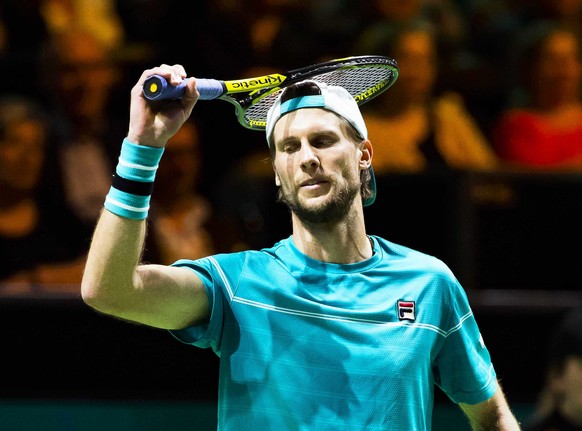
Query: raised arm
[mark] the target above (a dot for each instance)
(114, 282)
(493, 414)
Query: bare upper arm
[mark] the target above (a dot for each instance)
(164, 297)
(492, 414)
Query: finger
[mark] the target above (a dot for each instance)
(191, 95)
(173, 74)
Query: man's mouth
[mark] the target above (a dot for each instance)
(312, 183)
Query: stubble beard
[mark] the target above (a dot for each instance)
(332, 210)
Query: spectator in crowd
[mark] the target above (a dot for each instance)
(488, 53)
(40, 242)
(542, 126)
(560, 402)
(219, 28)
(98, 18)
(79, 79)
(443, 16)
(310, 32)
(420, 126)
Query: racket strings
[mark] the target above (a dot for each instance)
(364, 82)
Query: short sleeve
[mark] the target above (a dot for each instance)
(209, 333)
(463, 367)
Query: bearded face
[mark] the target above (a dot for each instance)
(317, 166)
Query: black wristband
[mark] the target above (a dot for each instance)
(139, 188)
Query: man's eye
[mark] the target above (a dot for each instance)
(290, 147)
(322, 142)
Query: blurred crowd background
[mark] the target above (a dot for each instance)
(478, 145)
(485, 86)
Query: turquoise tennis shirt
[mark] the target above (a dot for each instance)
(309, 345)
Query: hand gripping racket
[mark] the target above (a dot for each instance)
(365, 77)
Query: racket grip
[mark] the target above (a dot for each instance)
(210, 88)
(157, 87)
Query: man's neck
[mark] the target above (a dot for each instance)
(341, 242)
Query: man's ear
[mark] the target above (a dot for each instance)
(277, 180)
(367, 154)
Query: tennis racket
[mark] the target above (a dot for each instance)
(365, 77)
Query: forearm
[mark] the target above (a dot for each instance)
(491, 415)
(113, 257)
(497, 421)
(119, 236)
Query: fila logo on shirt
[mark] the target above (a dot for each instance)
(407, 310)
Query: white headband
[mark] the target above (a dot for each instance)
(333, 98)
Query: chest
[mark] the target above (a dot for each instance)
(337, 327)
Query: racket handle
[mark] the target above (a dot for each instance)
(157, 87)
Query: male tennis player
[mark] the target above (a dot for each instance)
(329, 329)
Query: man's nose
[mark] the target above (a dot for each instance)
(309, 157)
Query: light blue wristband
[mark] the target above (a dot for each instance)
(127, 205)
(138, 162)
(136, 168)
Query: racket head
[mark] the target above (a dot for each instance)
(364, 77)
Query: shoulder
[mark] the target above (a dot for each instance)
(420, 272)
(235, 263)
(406, 257)
(440, 299)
